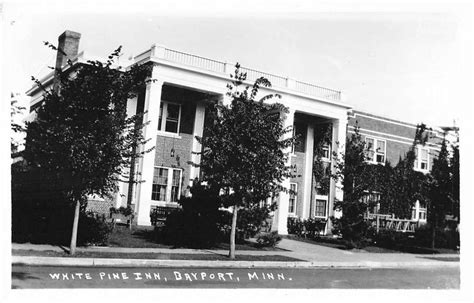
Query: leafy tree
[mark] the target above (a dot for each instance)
(243, 155)
(402, 185)
(357, 179)
(15, 110)
(440, 191)
(82, 138)
(454, 165)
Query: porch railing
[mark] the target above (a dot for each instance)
(193, 60)
(253, 75)
(226, 68)
(387, 222)
(316, 90)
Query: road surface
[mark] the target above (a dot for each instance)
(116, 277)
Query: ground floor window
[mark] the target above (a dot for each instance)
(166, 184)
(422, 214)
(293, 198)
(418, 212)
(320, 206)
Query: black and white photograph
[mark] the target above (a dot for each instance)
(274, 150)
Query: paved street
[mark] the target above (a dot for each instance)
(139, 277)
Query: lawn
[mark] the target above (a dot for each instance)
(339, 244)
(152, 256)
(143, 237)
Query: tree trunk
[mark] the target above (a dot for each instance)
(232, 233)
(131, 180)
(433, 234)
(131, 184)
(75, 224)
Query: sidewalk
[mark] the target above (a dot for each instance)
(311, 255)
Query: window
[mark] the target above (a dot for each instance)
(166, 184)
(175, 185)
(170, 116)
(160, 184)
(418, 212)
(421, 158)
(326, 152)
(293, 196)
(320, 206)
(299, 131)
(372, 199)
(376, 149)
(422, 214)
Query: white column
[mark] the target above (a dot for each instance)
(339, 128)
(281, 214)
(152, 108)
(196, 147)
(308, 171)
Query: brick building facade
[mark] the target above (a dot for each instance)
(389, 140)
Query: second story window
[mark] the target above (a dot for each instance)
(376, 150)
(170, 116)
(421, 158)
(372, 200)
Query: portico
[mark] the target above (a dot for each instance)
(204, 79)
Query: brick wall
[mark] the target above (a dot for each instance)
(181, 157)
(398, 135)
(388, 126)
(181, 145)
(100, 206)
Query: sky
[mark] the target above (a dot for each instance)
(410, 63)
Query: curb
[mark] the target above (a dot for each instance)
(110, 262)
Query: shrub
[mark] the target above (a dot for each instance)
(389, 239)
(93, 229)
(314, 226)
(249, 222)
(445, 237)
(41, 214)
(311, 227)
(200, 223)
(268, 239)
(295, 226)
(356, 233)
(195, 225)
